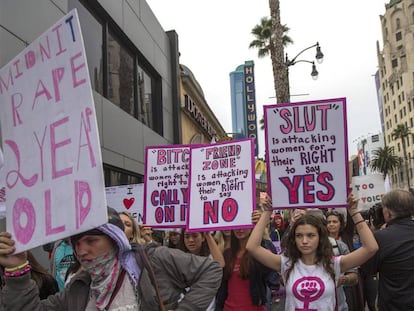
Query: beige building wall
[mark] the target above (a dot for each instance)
(396, 68)
(198, 122)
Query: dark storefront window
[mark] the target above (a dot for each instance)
(92, 32)
(117, 69)
(117, 177)
(120, 75)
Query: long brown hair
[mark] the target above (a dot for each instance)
(39, 274)
(230, 256)
(324, 252)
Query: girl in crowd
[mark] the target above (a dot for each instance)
(308, 266)
(348, 291)
(223, 239)
(202, 244)
(134, 232)
(245, 281)
(174, 239)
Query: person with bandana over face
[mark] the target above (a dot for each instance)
(115, 275)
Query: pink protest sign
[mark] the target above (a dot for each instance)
(52, 159)
(222, 186)
(306, 153)
(166, 186)
(127, 198)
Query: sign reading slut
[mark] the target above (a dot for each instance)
(52, 160)
(307, 154)
(217, 180)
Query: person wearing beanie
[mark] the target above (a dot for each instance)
(115, 275)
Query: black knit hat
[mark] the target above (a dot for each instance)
(113, 218)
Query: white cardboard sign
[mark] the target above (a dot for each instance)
(306, 154)
(127, 198)
(222, 186)
(369, 189)
(52, 158)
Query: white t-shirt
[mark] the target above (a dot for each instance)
(309, 287)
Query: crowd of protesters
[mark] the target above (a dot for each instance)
(323, 259)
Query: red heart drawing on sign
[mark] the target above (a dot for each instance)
(128, 202)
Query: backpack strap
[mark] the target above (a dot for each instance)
(143, 258)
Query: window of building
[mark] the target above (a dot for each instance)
(117, 177)
(411, 122)
(144, 91)
(92, 32)
(118, 71)
(398, 36)
(374, 138)
(395, 119)
(394, 63)
(397, 23)
(120, 75)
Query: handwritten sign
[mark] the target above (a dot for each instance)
(222, 186)
(166, 186)
(52, 159)
(369, 189)
(306, 153)
(127, 198)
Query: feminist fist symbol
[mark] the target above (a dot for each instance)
(308, 289)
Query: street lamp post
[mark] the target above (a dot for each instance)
(293, 61)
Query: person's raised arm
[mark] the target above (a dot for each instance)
(254, 247)
(369, 244)
(215, 250)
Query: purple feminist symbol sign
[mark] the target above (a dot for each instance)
(308, 289)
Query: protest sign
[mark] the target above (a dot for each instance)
(369, 189)
(222, 192)
(166, 186)
(127, 198)
(52, 158)
(306, 154)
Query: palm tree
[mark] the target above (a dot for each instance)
(384, 160)
(265, 45)
(263, 33)
(403, 132)
(280, 69)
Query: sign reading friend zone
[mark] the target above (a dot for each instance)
(52, 158)
(222, 186)
(369, 189)
(127, 198)
(307, 154)
(166, 186)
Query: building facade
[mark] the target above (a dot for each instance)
(243, 103)
(199, 125)
(134, 71)
(396, 77)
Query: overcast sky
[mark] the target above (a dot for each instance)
(214, 37)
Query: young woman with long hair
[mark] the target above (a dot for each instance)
(308, 266)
